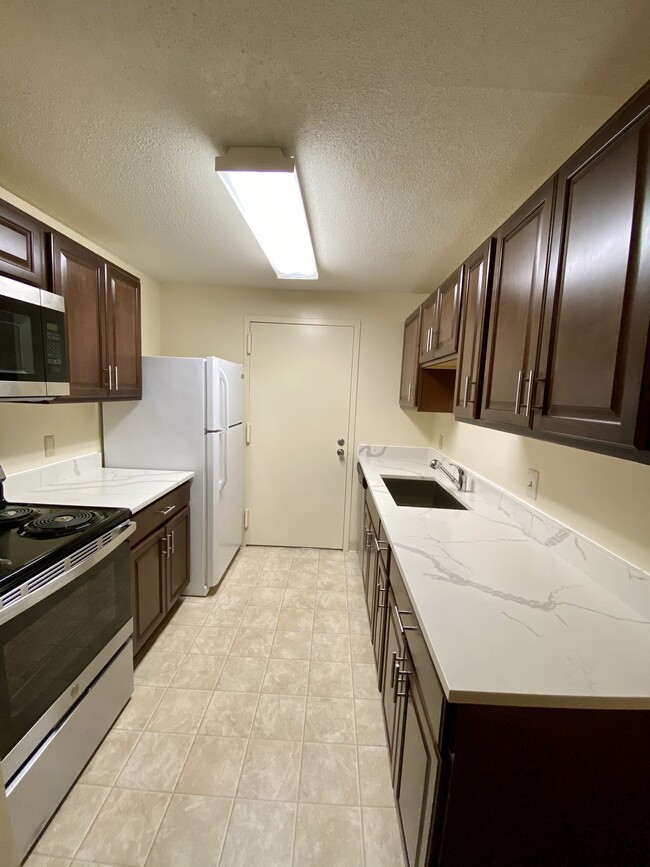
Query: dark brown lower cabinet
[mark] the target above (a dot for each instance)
(393, 651)
(379, 623)
(159, 561)
(417, 767)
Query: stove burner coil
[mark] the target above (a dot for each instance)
(60, 525)
(13, 516)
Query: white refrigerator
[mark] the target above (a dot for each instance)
(190, 418)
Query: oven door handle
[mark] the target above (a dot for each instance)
(28, 600)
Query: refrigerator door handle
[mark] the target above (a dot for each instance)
(224, 480)
(224, 382)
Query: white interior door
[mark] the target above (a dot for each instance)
(300, 386)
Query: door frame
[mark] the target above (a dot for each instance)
(350, 438)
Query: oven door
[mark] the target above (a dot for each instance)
(56, 643)
(22, 363)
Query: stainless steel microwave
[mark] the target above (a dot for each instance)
(33, 352)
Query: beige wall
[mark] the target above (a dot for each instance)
(76, 427)
(605, 498)
(206, 320)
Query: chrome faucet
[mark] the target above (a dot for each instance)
(460, 482)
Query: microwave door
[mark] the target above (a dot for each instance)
(22, 366)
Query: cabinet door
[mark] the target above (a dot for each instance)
(428, 328)
(393, 653)
(365, 541)
(598, 371)
(417, 770)
(516, 311)
(371, 586)
(22, 246)
(125, 353)
(149, 586)
(178, 542)
(447, 316)
(78, 275)
(410, 360)
(476, 285)
(379, 626)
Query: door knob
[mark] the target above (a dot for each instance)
(340, 452)
(341, 441)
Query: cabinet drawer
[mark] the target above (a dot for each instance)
(159, 512)
(381, 540)
(432, 691)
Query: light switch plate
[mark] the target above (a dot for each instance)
(48, 443)
(532, 484)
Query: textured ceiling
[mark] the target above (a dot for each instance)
(417, 126)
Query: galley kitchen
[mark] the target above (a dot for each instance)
(324, 435)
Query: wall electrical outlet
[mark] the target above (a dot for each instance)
(441, 441)
(532, 484)
(48, 442)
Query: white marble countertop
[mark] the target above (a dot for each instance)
(513, 615)
(84, 482)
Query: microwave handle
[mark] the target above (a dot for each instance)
(54, 584)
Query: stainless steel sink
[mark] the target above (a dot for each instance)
(423, 493)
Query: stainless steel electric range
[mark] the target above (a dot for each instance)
(66, 657)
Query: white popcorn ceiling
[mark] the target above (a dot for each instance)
(417, 126)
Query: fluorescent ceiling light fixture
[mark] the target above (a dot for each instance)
(264, 184)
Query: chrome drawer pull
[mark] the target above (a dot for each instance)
(166, 510)
(403, 628)
(173, 542)
(520, 378)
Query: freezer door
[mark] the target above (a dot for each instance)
(225, 394)
(225, 499)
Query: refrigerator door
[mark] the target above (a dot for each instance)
(166, 431)
(225, 394)
(225, 450)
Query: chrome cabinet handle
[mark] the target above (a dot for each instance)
(403, 628)
(368, 537)
(466, 394)
(409, 394)
(381, 590)
(110, 377)
(520, 378)
(170, 542)
(173, 542)
(395, 679)
(117, 379)
(392, 669)
(404, 676)
(529, 396)
(381, 546)
(166, 510)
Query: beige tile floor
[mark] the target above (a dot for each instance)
(254, 735)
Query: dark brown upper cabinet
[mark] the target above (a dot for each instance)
(78, 275)
(521, 263)
(597, 319)
(22, 246)
(420, 389)
(102, 322)
(440, 320)
(410, 355)
(427, 328)
(123, 325)
(476, 285)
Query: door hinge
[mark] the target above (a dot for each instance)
(249, 342)
(246, 516)
(248, 434)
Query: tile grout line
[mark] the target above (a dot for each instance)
(234, 798)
